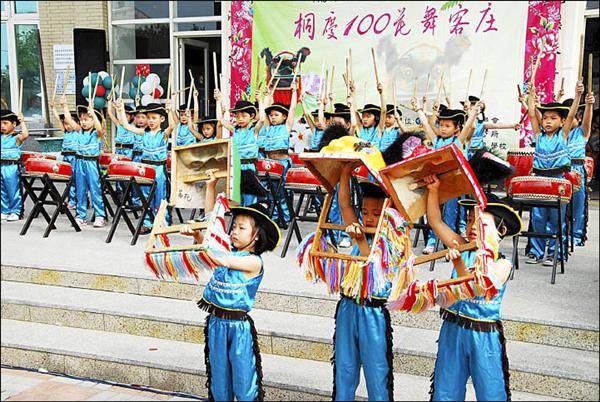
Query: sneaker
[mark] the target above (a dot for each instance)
(99, 222)
(532, 259)
(4, 217)
(81, 222)
(12, 217)
(345, 243)
(428, 250)
(145, 230)
(71, 206)
(548, 262)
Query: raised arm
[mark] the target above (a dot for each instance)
(123, 119)
(292, 112)
(171, 120)
(22, 136)
(68, 119)
(500, 126)
(381, 126)
(434, 215)
(354, 127)
(55, 114)
(193, 126)
(467, 129)
(579, 88)
(220, 116)
(531, 109)
(100, 130)
(586, 123)
(429, 133)
(110, 112)
(307, 116)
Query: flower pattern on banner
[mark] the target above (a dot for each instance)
(240, 42)
(543, 23)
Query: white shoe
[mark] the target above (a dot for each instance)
(4, 217)
(81, 222)
(99, 222)
(12, 218)
(428, 250)
(345, 243)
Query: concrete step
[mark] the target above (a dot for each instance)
(175, 366)
(277, 297)
(534, 368)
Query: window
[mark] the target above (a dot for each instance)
(129, 90)
(592, 4)
(130, 10)
(198, 8)
(141, 41)
(199, 26)
(26, 7)
(5, 75)
(28, 68)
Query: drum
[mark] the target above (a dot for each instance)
(301, 178)
(169, 162)
(361, 172)
(296, 160)
(575, 178)
(56, 170)
(270, 166)
(123, 170)
(540, 188)
(589, 167)
(522, 161)
(25, 155)
(105, 159)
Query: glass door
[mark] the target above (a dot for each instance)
(194, 60)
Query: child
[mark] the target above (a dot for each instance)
(210, 129)
(578, 138)
(316, 122)
(155, 141)
(393, 127)
(362, 332)
(87, 177)
(373, 120)
(231, 351)
(9, 162)
(69, 151)
(551, 159)
(245, 134)
(124, 139)
(140, 120)
(471, 341)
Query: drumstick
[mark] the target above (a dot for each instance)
(274, 87)
(256, 81)
(590, 62)
(215, 76)
(375, 66)
(137, 94)
(153, 88)
(95, 88)
(468, 85)
(112, 87)
(483, 84)
(437, 100)
(331, 78)
(519, 90)
(220, 80)
(415, 87)
(89, 87)
(581, 49)
(365, 94)
(189, 101)
(275, 72)
(54, 92)
(21, 97)
(537, 62)
(66, 78)
(427, 83)
(350, 64)
(321, 81)
(445, 94)
(169, 84)
(122, 80)
(394, 96)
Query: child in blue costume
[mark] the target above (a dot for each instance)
(452, 130)
(87, 177)
(363, 332)
(372, 120)
(316, 122)
(155, 152)
(279, 119)
(9, 164)
(471, 342)
(123, 139)
(578, 138)
(245, 134)
(140, 120)
(393, 127)
(551, 159)
(69, 151)
(231, 350)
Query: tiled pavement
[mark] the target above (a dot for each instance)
(20, 385)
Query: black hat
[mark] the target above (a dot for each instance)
(155, 108)
(333, 132)
(501, 210)
(339, 110)
(569, 102)
(84, 109)
(370, 108)
(458, 116)
(471, 98)
(395, 152)
(260, 215)
(390, 109)
(208, 119)
(182, 108)
(244, 106)
(442, 107)
(139, 109)
(128, 109)
(280, 107)
(371, 189)
(9, 115)
(557, 107)
(489, 168)
(315, 113)
(73, 116)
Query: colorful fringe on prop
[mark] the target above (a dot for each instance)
(359, 279)
(177, 262)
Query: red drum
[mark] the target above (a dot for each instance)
(362, 172)
(301, 178)
(589, 167)
(522, 161)
(169, 162)
(270, 166)
(25, 155)
(296, 160)
(106, 159)
(122, 170)
(540, 188)
(575, 178)
(56, 170)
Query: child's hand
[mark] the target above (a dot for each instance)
(168, 106)
(424, 100)
(21, 118)
(217, 95)
(195, 92)
(212, 179)
(187, 230)
(355, 230)
(301, 97)
(517, 127)
(352, 86)
(62, 100)
(579, 88)
(188, 114)
(349, 101)
(590, 99)
(436, 107)
(414, 104)
(560, 94)
(453, 254)
(433, 182)
(293, 86)
(380, 88)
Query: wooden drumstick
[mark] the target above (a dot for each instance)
(445, 94)
(427, 83)
(519, 91)
(21, 97)
(189, 101)
(437, 100)
(350, 75)
(375, 66)
(483, 84)
(215, 73)
(581, 50)
(589, 78)
(275, 72)
(169, 83)
(89, 87)
(468, 85)
(331, 79)
(122, 81)
(54, 92)
(66, 78)
(321, 82)
(95, 88)
(137, 94)
(415, 87)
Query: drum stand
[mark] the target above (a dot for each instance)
(274, 185)
(57, 199)
(125, 203)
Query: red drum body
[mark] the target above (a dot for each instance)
(169, 162)
(296, 160)
(270, 166)
(540, 188)
(26, 155)
(575, 178)
(522, 161)
(122, 170)
(589, 167)
(301, 178)
(362, 172)
(105, 159)
(54, 169)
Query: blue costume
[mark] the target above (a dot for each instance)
(248, 152)
(231, 352)
(363, 336)
(277, 139)
(471, 343)
(138, 147)
(87, 177)
(551, 159)
(370, 134)
(155, 153)
(261, 141)
(69, 154)
(315, 139)
(10, 175)
(476, 142)
(124, 142)
(576, 147)
(184, 135)
(389, 136)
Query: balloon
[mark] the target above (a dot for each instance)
(158, 92)
(132, 92)
(94, 78)
(100, 91)
(146, 88)
(107, 82)
(135, 79)
(86, 80)
(146, 99)
(153, 78)
(103, 75)
(99, 103)
(85, 91)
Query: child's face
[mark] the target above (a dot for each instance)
(8, 126)
(319, 125)
(552, 121)
(371, 211)
(140, 120)
(242, 119)
(368, 119)
(183, 118)
(276, 117)
(243, 232)
(471, 225)
(86, 122)
(389, 120)
(66, 126)
(129, 118)
(208, 130)
(448, 128)
(155, 120)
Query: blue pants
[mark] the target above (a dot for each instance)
(579, 207)
(87, 179)
(71, 159)
(545, 220)
(160, 193)
(11, 194)
(135, 200)
(248, 199)
(451, 214)
(287, 163)
(466, 352)
(361, 338)
(231, 353)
